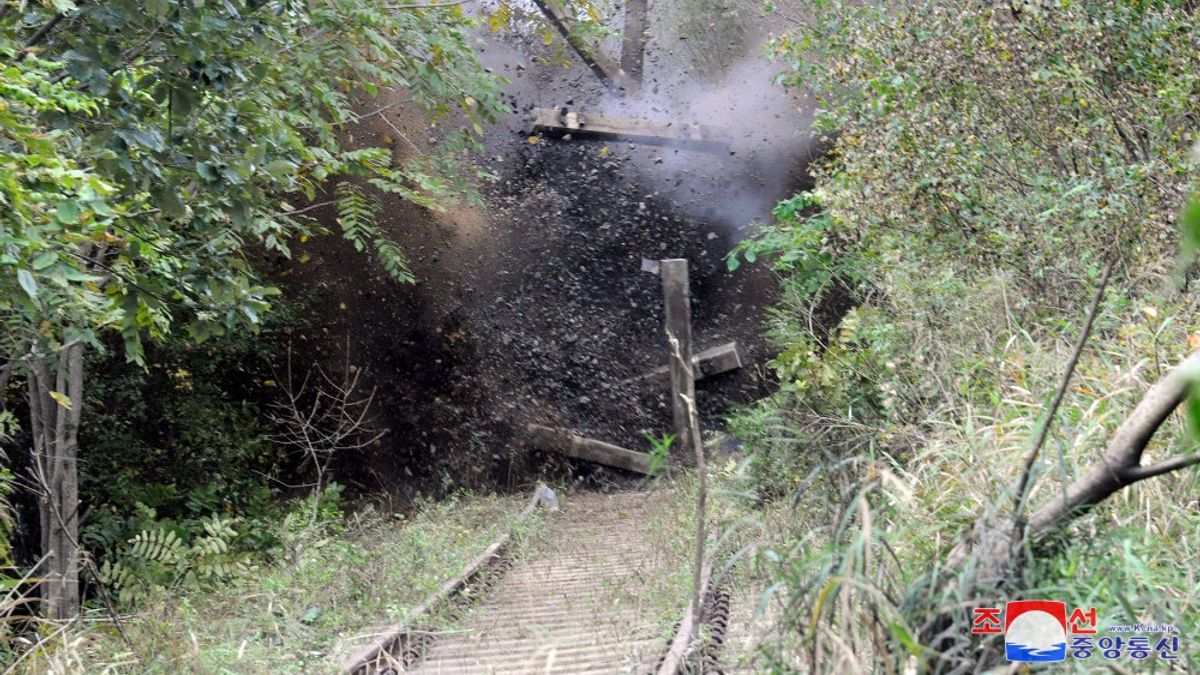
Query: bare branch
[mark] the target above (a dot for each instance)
(323, 417)
(43, 32)
(1167, 466)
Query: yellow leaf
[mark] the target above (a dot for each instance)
(1194, 341)
(303, 238)
(604, 151)
(304, 257)
(534, 140)
(1150, 312)
(61, 399)
(268, 383)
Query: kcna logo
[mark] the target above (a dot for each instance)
(1043, 630)
(1034, 630)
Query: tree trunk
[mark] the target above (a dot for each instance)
(55, 389)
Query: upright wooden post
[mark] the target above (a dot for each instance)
(678, 310)
(677, 301)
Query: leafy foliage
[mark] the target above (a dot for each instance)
(183, 436)
(165, 139)
(159, 558)
(151, 152)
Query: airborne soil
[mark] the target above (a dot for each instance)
(532, 307)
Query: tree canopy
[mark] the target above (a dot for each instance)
(152, 147)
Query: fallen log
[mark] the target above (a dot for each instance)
(589, 449)
(712, 361)
(691, 135)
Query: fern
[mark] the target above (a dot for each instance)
(159, 558)
(357, 215)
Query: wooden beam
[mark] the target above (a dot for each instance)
(597, 61)
(678, 314)
(590, 449)
(694, 136)
(710, 362)
(633, 44)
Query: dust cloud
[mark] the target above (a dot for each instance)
(766, 126)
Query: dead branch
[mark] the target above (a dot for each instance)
(1121, 464)
(988, 554)
(321, 417)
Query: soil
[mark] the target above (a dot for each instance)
(532, 307)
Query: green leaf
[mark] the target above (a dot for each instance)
(1193, 409)
(67, 212)
(280, 168)
(207, 172)
(1190, 222)
(28, 283)
(61, 399)
(44, 260)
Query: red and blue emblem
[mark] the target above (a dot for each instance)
(1035, 630)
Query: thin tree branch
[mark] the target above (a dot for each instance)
(1044, 429)
(427, 5)
(42, 32)
(310, 207)
(1167, 466)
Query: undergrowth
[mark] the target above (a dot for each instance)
(333, 586)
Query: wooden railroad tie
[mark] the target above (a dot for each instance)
(562, 121)
(589, 449)
(712, 361)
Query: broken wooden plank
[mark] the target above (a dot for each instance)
(597, 61)
(717, 360)
(710, 362)
(590, 449)
(677, 306)
(563, 121)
